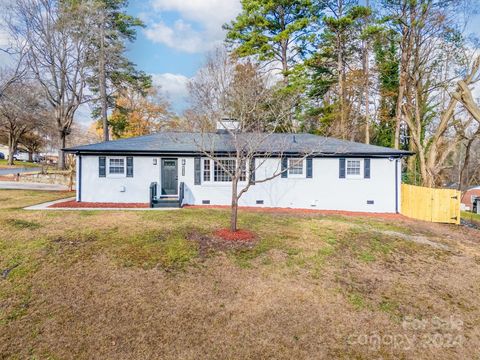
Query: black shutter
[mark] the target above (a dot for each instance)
(284, 167)
(366, 168)
(341, 174)
(129, 166)
(252, 171)
(102, 166)
(198, 171)
(309, 168)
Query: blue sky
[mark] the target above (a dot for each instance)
(177, 35)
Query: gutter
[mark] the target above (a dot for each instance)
(232, 153)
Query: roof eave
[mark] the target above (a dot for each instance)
(227, 153)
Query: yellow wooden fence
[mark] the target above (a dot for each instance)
(435, 205)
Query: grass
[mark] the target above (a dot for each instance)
(13, 199)
(470, 216)
(18, 164)
(145, 284)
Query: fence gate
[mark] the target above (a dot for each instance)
(435, 205)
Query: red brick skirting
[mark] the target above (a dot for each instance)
(302, 211)
(76, 204)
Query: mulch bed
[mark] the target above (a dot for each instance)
(208, 243)
(304, 211)
(239, 235)
(80, 205)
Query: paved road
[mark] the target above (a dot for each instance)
(31, 186)
(18, 170)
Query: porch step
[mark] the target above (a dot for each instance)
(166, 203)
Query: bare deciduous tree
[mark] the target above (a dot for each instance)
(56, 37)
(21, 111)
(434, 149)
(15, 72)
(254, 110)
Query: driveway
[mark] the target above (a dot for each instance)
(31, 186)
(17, 170)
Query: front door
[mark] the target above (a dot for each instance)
(169, 177)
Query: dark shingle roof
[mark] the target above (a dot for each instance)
(194, 143)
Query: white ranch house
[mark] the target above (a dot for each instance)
(172, 169)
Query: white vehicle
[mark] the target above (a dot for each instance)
(21, 156)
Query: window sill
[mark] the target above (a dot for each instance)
(220, 183)
(296, 177)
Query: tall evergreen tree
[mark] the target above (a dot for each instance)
(112, 71)
(338, 48)
(275, 30)
(387, 65)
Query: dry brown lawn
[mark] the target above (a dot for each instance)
(144, 284)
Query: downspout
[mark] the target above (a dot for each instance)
(79, 181)
(396, 186)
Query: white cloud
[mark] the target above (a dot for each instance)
(173, 86)
(181, 36)
(211, 13)
(199, 24)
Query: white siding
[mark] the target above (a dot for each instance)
(109, 188)
(324, 191)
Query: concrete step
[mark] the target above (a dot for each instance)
(166, 203)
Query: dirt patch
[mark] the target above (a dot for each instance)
(208, 244)
(419, 239)
(103, 205)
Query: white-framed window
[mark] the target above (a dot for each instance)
(354, 168)
(296, 167)
(206, 170)
(221, 170)
(116, 166)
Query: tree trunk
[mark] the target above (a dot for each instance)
(61, 154)
(341, 93)
(341, 75)
(412, 162)
(234, 210)
(398, 111)
(426, 178)
(12, 149)
(30, 156)
(285, 61)
(366, 71)
(102, 80)
(466, 163)
(406, 49)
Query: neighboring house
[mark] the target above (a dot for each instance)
(470, 198)
(48, 157)
(337, 175)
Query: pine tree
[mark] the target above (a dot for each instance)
(112, 71)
